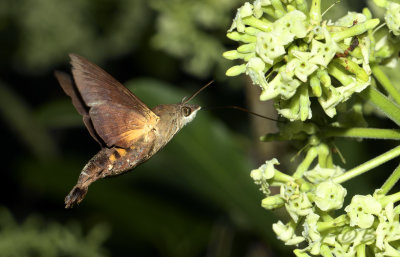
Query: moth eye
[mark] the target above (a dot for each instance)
(186, 111)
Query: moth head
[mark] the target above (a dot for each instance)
(188, 112)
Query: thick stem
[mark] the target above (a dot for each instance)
(282, 177)
(355, 30)
(279, 137)
(325, 251)
(305, 164)
(332, 224)
(391, 110)
(386, 83)
(315, 12)
(390, 199)
(372, 133)
(368, 165)
(361, 250)
(391, 181)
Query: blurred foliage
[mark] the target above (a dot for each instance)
(35, 238)
(43, 32)
(18, 116)
(192, 30)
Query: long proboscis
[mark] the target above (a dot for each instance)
(244, 110)
(184, 100)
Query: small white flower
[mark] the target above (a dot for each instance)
(255, 68)
(318, 174)
(311, 229)
(301, 65)
(298, 206)
(269, 46)
(329, 196)
(388, 229)
(244, 11)
(362, 210)
(263, 174)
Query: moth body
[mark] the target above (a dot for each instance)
(115, 161)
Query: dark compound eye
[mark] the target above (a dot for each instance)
(186, 111)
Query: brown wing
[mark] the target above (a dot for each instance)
(69, 88)
(118, 116)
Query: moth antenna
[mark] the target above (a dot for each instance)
(184, 100)
(330, 7)
(243, 110)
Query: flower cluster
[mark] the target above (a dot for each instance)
(312, 196)
(292, 54)
(392, 15)
(295, 56)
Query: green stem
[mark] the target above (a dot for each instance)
(305, 164)
(281, 177)
(279, 9)
(390, 199)
(279, 137)
(355, 30)
(315, 12)
(338, 222)
(361, 250)
(391, 110)
(373, 133)
(391, 181)
(323, 156)
(386, 83)
(366, 166)
(325, 251)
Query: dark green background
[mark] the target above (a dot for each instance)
(194, 198)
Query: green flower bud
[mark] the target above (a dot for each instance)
(236, 70)
(272, 202)
(329, 196)
(362, 210)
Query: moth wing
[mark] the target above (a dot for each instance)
(118, 116)
(119, 125)
(69, 88)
